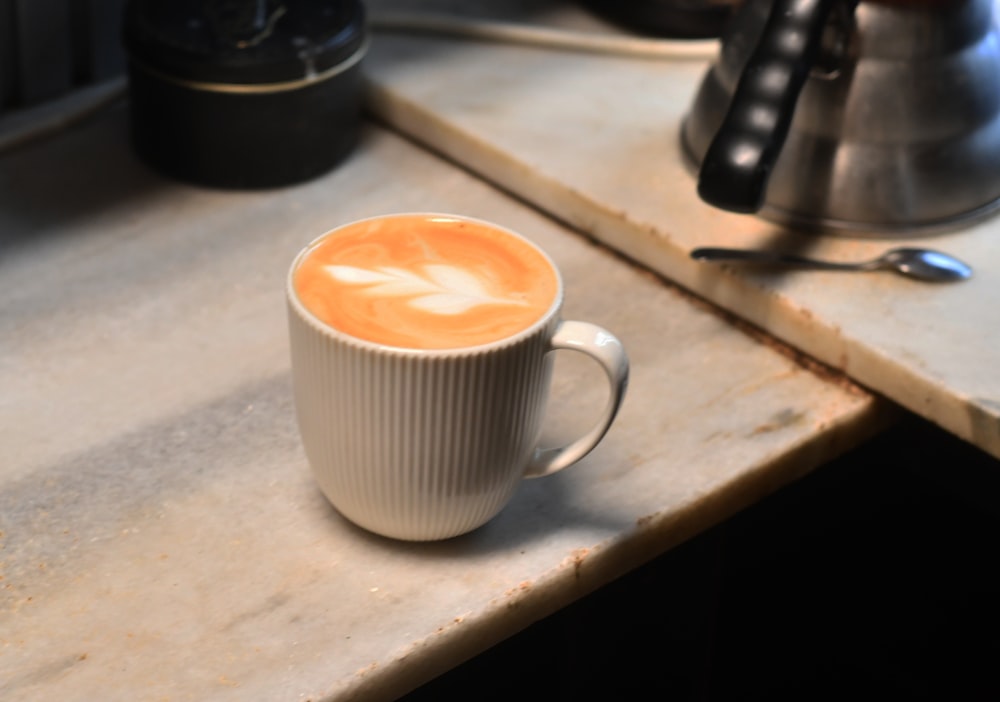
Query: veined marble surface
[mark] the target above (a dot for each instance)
(593, 139)
(161, 537)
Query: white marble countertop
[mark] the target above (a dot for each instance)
(593, 140)
(160, 534)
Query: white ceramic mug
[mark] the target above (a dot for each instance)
(421, 365)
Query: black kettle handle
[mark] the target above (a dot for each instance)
(735, 170)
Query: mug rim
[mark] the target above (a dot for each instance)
(329, 330)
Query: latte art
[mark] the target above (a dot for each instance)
(426, 282)
(438, 288)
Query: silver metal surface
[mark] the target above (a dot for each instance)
(898, 133)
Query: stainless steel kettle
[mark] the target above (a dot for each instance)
(874, 118)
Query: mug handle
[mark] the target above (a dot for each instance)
(605, 348)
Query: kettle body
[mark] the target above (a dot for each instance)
(876, 118)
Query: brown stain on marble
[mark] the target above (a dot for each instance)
(779, 420)
(370, 668)
(521, 588)
(577, 557)
(824, 371)
(445, 627)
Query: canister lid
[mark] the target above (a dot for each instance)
(243, 41)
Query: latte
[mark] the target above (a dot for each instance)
(425, 281)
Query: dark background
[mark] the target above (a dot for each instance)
(875, 575)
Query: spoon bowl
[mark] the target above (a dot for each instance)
(918, 263)
(925, 264)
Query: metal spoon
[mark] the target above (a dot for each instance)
(922, 264)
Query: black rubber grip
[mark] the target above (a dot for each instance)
(738, 163)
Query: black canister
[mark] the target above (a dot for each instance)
(244, 94)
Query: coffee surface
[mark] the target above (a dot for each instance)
(422, 282)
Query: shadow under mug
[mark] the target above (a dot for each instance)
(426, 444)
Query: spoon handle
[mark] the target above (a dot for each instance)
(772, 258)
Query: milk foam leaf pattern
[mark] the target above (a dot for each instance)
(437, 288)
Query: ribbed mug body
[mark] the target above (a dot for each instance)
(412, 444)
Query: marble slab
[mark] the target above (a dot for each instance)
(592, 139)
(161, 537)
